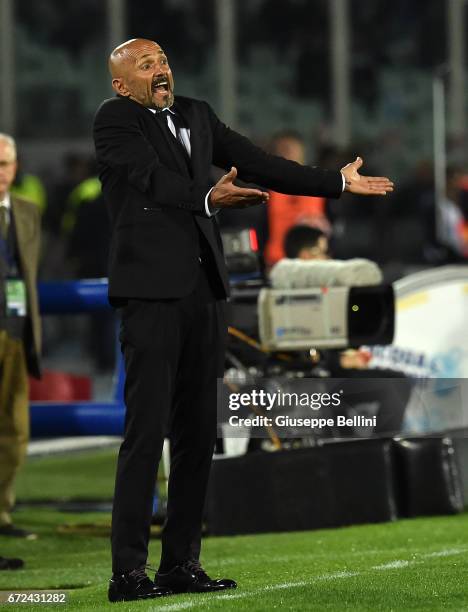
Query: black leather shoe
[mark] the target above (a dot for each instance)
(190, 577)
(134, 585)
(10, 564)
(16, 532)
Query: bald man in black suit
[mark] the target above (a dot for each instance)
(167, 276)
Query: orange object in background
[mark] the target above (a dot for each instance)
(60, 387)
(462, 231)
(285, 211)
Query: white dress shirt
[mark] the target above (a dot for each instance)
(7, 204)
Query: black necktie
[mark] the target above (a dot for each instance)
(178, 125)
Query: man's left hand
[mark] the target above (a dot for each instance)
(364, 185)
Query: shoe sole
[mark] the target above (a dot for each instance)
(121, 598)
(180, 591)
(114, 596)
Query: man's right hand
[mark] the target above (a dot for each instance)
(226, 195)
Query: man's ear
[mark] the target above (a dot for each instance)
(119, 87)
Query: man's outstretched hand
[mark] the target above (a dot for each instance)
(227, 195)
(364, 185)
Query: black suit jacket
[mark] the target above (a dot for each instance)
(157, 204)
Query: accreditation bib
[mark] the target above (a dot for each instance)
(16, 305)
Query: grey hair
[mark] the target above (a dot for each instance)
(9, 141)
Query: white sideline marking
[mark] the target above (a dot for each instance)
(397, 564)
(400, 563)
(392, 565)
(446, 553)
(335, 575)
(274, 587)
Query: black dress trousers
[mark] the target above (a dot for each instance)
(174, 353)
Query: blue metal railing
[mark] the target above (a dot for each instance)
(51, 419)
(73, 297)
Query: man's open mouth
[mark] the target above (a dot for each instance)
(160, 86)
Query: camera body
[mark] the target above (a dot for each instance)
(326, 317)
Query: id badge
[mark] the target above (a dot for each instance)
(15, 298)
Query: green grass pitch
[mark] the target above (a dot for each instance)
(419, 564)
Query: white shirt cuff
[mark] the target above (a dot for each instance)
(344, 182)
(209, 212)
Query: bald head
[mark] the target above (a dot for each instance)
(140, 71)
(127, 53)
(8, 143)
